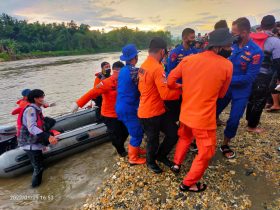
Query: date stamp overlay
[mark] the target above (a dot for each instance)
(31, 197)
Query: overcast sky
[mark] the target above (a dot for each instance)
(173, 15)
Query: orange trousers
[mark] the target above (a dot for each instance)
(206, 144)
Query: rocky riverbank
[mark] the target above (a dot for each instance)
(250, 181)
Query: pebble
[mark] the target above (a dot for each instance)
(232, 160)
(232, 172)
(137, 188)
(141, 184)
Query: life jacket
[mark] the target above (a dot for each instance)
(24, 137)
(260, 39)
(21, 105)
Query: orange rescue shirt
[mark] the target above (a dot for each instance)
(96, 82)
(205, 78)
(153, 89)
(108, 89)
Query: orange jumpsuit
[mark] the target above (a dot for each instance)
(205, 78)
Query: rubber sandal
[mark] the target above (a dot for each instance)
(273, 110)
(193, 147)
(200, 187)
(225, 150)
(175, 170)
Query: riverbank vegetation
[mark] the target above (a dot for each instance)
(20, 39)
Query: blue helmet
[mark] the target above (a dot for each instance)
(25, 92)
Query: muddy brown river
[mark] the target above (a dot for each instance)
(63, 79)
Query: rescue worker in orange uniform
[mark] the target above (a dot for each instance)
(108, 89)
(105, 73)
(151, 112)
(205, 78)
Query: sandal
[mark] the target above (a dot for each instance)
(200, 187)
(272, 110)
(193, 147)
(175, 169)
(225, 150)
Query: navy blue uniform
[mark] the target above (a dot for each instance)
(128, 102)
(246, 65)
(176, 55)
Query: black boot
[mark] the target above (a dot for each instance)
(121, 151)
(165, 161)
(154, 167)
(123, 154)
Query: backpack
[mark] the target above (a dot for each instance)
(259, 38)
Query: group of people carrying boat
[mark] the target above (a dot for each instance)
(182, 98)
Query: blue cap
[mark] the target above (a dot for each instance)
(129, 51)
(25, 92)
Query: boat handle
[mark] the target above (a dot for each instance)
(21, 158)
(82, 137)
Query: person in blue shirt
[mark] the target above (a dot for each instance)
(247, 58)
(199, 43)
(182, 50)
(186, 48)
(128, 102)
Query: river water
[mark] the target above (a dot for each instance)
(63, 79)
